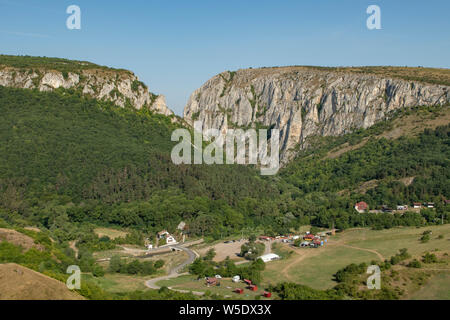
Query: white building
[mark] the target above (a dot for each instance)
(166, 235)
(269, 257)
(170, 240)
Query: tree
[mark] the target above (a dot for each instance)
(159, 264)
(98, 271)
(148, 268)
(134, 267)
(210, 255)
(115, 264)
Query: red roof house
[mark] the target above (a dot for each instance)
(239, 291)
(211, 281)
(249, 282)
(267, 294)
(309, 237)
(361, 207)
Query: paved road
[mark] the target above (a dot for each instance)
(191, 257)
(175, 271)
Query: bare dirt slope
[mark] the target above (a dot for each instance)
(20, 283)
(18, 239)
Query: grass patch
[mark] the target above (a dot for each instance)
(437, 288)
(111, 233)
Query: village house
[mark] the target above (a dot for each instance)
(417, 205)
(309, 237)
(166, 235)
(361, 207)
(316, 243)
(212, 281)
(402, 207)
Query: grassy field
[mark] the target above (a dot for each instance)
(190, 283)
(437, 288)
(388, 242)
(315, 267)
(111, 233)
(118, 282)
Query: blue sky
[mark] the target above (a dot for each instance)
(175, 46)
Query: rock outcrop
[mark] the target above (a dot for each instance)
(119, 86)
(304, 101)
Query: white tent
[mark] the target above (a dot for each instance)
(269, 257)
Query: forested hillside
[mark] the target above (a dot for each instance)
(86, 160)
(68, 159)
(330, 186)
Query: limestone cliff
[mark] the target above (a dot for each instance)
(119, 86)
(306, 101)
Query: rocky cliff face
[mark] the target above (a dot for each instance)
(303, 101)
(119, 86)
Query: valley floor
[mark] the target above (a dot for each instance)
(316, 267)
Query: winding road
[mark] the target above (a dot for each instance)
(192, 255)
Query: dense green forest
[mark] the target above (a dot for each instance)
(66, 160)
(72, 159)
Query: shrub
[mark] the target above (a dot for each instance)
(429, 258)
(425, 238)
(415, 264)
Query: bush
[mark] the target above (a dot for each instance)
(429, 258)
(415, 264)
(97, 271)
(159, 264)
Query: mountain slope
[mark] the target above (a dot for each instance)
(68, 159)
(308, 101)
(113, 163)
